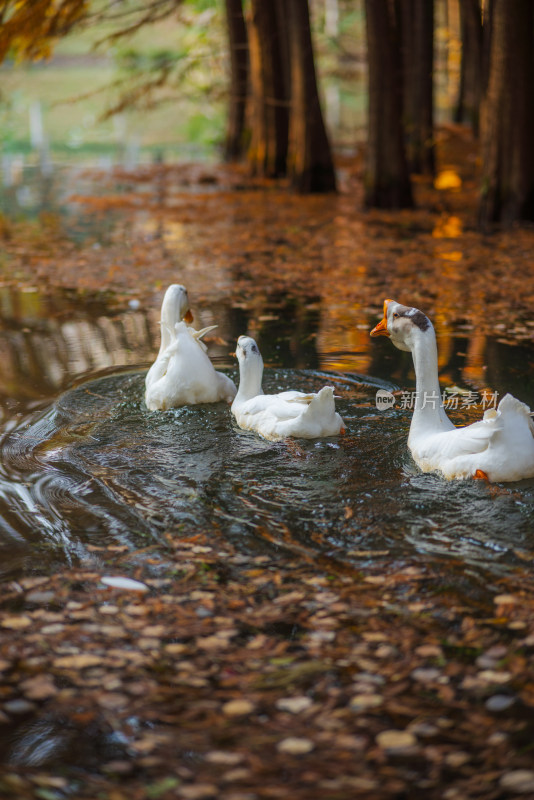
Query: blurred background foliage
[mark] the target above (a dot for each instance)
(163, 89)
(92, 95)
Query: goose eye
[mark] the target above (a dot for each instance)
(395, 315)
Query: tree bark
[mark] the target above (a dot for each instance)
(269, 111)
(234, 147)
(471, 68)
(310, 164)
(507, 192)
(417, 24)
(387, 181)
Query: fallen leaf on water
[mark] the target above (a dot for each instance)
(223, 757)
(294, 704)
(519, 781)
(366, 701)
(112, 700)
(127, 584)
(199, 791)
(494, 676)
(295, 746)
(447, 179)
(396, 740)
(16, 622)
(238, 708)
(81, 661)
(39, 688)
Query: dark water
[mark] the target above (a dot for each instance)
(85, 463)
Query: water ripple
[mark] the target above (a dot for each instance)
(96, 468)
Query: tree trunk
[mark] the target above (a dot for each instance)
(238, 44)
(310, 163)
(269, 111)
(488, 6)
(417, 23)
(471, 81)
(387, 181)
(507, 191)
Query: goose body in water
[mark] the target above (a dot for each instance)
(277, 416)
(500, 447)
(183, 373)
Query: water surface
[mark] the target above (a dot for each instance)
(84, 463)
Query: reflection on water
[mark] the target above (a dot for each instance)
(93, 466)
(46, 341)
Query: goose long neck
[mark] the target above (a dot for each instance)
(429, 409)
(165, 335)
(250, 377)
(169, 317)
(173, 310)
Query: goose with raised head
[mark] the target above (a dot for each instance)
(188, 376)
(499, 447)
(182, 373)
(174, 308)
(287, 414)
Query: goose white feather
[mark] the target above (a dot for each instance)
(277, 416)
(183, 373)
(499, 447)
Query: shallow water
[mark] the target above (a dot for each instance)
(84, 463)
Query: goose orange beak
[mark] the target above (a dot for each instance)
(382, 328)
(189, 316)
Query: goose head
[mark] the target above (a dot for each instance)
(404, 325)
(247, 351)
(175, 306)
(250, 367)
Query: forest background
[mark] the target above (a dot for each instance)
(427, 108)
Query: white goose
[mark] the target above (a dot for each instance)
(500, 447)
(277, 416)
(182, 373)
(174, 308)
